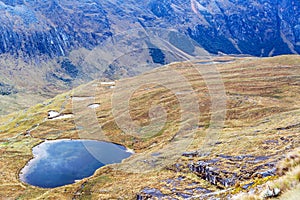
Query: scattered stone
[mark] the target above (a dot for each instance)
(149, 193)
(271, 142)
(245, 187)
(202, 190)
(235, 158)
(268, 193)
(267, 173)
(266, 120)
(259, 159)
(190, 154)
(183, 195)
(289, 127)
(180, 178)
(178, 167)
(225, 156)
(213, 161)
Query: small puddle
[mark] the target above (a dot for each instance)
(66, 116)
(93, 106)
(53, 114)
(108, 83)
(61, 162)
(82, 98)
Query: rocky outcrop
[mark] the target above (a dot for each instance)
(260, 28)
(212, 175)
(225, 171)
(50, 28)
(6, 89)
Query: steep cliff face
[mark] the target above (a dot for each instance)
(50, 28)
(256, 27)
(54, 28)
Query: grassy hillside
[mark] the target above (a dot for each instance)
(261, 128)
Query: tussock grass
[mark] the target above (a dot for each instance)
(261, 99)
(289, 170)
(292, 160)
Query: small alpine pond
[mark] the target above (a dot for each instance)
(61, 162)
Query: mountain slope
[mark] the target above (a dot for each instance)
(261, 127)
(54, 28)
(47, 47)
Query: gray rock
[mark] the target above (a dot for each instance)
(271, 193)
(148, 193)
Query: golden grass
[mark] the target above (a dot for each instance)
(263, 102)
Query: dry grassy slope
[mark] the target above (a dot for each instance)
(30, 82)
(263, 111)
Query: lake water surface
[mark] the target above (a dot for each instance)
(61, 162)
